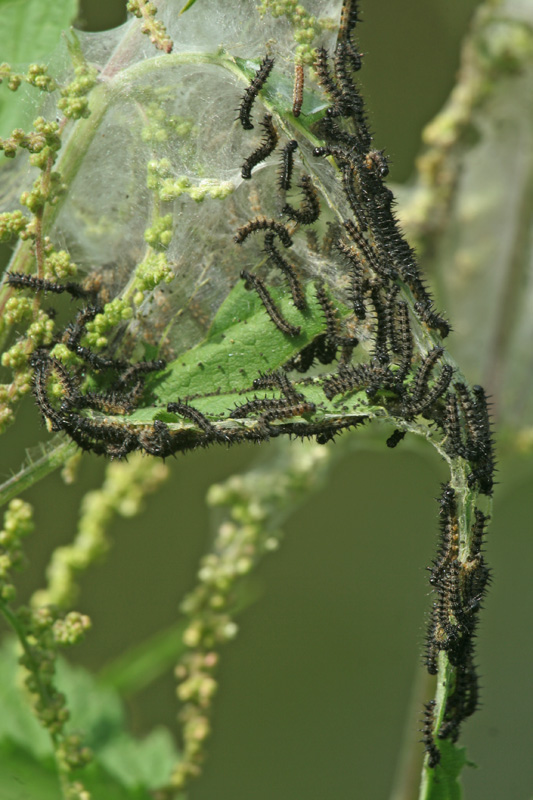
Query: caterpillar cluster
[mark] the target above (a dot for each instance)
(470, 406)
(409, 383)
(460, 584)
(103, 433)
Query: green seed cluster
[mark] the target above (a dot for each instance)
(74, 102)
(18, 523)
(123, 492)
(115, 312)
(306, 27)
(36, 75)
(153, 28)
(150, 273)
(41, 632)
(255, 503)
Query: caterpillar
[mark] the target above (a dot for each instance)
(267, 146)
(309, 211)
(277, 380)
(261, 224)
(21, 280)
(403, 339)
(191, 413)
(382, 327)
(298, 94)
(395, 438)
(133, 371)
(255, 405)
(412, 407)
(287, 163)
(287, 269)
(423, 374)
(432, 751)
(253, 90)
(270, 307)
(287, 410)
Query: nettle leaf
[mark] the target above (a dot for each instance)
(30, 32)
(23, 776)
(443, 781)
(18, 725)
(123, 767)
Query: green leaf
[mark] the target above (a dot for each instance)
(23, 777)
(18, 725)
(30, 32)
(96, 710)
(145, 764)
(123, 766)
(442, 781)
(241, 343)
(31, 29)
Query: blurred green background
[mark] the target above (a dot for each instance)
(315, 692)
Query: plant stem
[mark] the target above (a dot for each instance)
(36, 470)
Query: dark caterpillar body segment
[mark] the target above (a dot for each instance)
(348, 378)
(381, 330)
(287, 410)
(298, 94)
(370, 255)
(75, 330)
(303, 360)
(23, 281)
(278, 380)
(427, 730)
(272, 310)
(325, 80)
(460, 586)
(403, 339)
(477, 445)
(329, 312)
(264, 224)
(395, 438)
(97, 361)
(267, 146)
(360, 281)
(426, 312)
(452, 426)
(191, 413)
(341, 153)
(288, 271)
(448, 549)
(133, 371)
(252, 91)
(309, 211)
(478, 533)
(349, 19)
(352, 104)
(43, 366)
(423, 374)
(258, 404)
(287, 164)
(107, 402)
